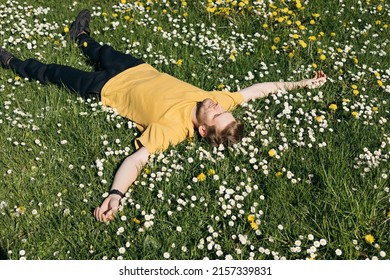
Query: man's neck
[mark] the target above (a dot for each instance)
(193, 117)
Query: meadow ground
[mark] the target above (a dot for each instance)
(309, 181)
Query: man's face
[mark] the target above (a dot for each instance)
(210, 113)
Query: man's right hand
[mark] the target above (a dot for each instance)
(106, 212)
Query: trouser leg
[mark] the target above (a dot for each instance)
(105, 56)
(82, 82)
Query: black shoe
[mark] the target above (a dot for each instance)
(5, 57)
(81, 24)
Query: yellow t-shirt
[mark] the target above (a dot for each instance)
(159, 104)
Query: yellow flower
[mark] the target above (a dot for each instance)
(277, 40)
(369, 238)
(312, 22)
(85, 44)
(123, 1)
(254, 226)
(21, 209)
(291, 55)
(375, 109)
(319, 118)
(312, 38)
(179, 62)
(135, 220)
(355, 114)
(388, 214)
(333, 107)
(279, 174)
(302, 43)
(316, 15)
(265, 25)
(211, 172)
(251, 218)
(272, 153)
(295, 36)
(314, 65)
(17, 78)
(355, 92)
(379, 8)
(355, 60)
(274, 48)
(322, 57)
(333, 34)
(380, 83)
(201, 177)
(354, 86)
(66, 29)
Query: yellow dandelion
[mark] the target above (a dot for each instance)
(272, 153)
(379, 8)
(312, 22)
(211, 172)
(302, 43)
(254, 226)
(279, 174)
(251, 218)
(354, 86)
(355, 92)
(355, 114)
(380, 83)
(274, 48)
(295, 36)
(221, 86)
(322, 57)
(201, 177)
(319, 118)
(66, 29)
(355, 60)
(265, 25)
(375, 109)
(388, 214)
(123, 1)
(17, 78)
(277, 40)
(333, 34)
(85, 44)
(333, 107)
(179, 62)
(21, 209)
(312, 38)
(291, 55)
(316, 15)
(314, 65)
(135, 220)
(369, 238)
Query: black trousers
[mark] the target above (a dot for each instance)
(108, 63)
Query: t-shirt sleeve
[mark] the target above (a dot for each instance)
(228, 100)
(158, 137)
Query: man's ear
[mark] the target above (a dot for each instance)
(202, 130)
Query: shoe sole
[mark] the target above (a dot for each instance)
(75, 28)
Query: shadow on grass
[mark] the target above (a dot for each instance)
(3, 254)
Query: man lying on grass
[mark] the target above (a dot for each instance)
(165, 109)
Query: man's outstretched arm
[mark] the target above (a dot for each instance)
(124, 177)
(261, 90)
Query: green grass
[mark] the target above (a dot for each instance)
(334, 174)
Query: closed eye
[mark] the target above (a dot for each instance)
(217, 115)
